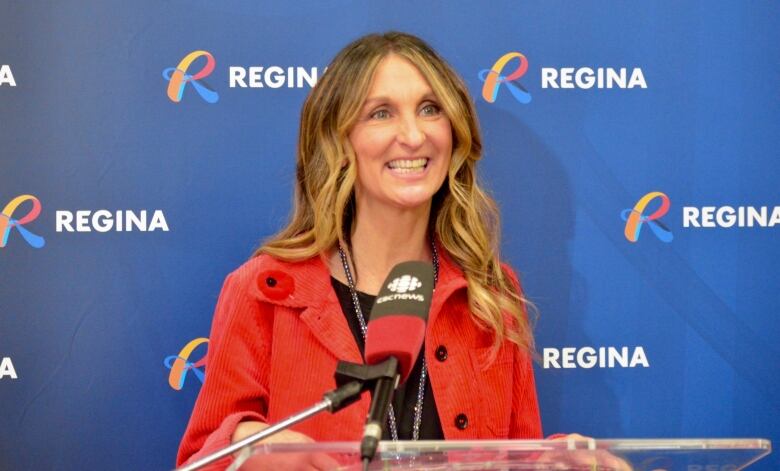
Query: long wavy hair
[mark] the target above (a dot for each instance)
(464, 217)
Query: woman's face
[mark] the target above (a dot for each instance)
(402, 139)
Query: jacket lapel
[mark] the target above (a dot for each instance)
(328, 325)
(451, 279)
(313, 293)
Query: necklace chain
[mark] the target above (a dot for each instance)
(362, 321)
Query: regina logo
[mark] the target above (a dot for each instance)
(178, 77)
(404, 283)
(493, 79)
(635, 218)
(180, 364)
(9, 222)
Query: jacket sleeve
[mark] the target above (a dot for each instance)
(235, 388)
(525, 421)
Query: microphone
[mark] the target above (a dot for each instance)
(395, 333)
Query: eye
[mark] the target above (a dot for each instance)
(430, 109)
(380, 114)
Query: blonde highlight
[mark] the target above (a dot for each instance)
(464, 217)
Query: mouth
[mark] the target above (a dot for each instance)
(408, 165)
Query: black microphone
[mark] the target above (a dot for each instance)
(394, 335)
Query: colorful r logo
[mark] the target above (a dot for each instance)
(493, 79)
(180, 364)
(178, 78)
(7, 222)
(635, 218)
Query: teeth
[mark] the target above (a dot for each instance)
(408, 164)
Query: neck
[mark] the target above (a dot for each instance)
(381, 240)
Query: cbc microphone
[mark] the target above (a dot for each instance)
(395, 330)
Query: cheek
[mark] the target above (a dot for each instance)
(369, 143)
(441, 135)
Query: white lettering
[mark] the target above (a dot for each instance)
(586, 357)
(237, 75)
(690, 216)
(775, 219)
(549, 77)
(584, 78)
(613, 76)
(63, 220)
(402, 297)
(82, 221)
(639, 358)
(133, 219)
(637, 79)
(620, 355)
(590, 357)
(730, 216)
(725, 216)
(272, 77)
(550, 356)
(7, 369)
(158, 222)
(568, 357)
(102, 221)
(310, 77)
(566, 76)
(255, 77)
(587, 77)
(707, 216)
(6, 76)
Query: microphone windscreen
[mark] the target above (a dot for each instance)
(397, 324)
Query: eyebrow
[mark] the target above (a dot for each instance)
(383, 99)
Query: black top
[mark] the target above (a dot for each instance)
(405, 397)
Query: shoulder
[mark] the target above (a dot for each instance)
(294, 283)
(510, 273)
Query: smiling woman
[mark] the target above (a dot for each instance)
(402, 141)
(386, 172)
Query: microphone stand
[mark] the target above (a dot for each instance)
(352, 379)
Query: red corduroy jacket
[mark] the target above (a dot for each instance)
(278, 332)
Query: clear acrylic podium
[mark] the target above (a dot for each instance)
(565, 454)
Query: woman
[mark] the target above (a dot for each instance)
(386, 172)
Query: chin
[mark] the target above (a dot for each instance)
(413, 202)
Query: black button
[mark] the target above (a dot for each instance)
(441, 353)
(270, 281)
(461, 421)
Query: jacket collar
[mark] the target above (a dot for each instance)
(307, 285)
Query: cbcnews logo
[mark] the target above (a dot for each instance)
(404, 283)
(512, 66)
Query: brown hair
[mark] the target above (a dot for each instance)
(465, 219)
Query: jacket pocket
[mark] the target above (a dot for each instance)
(494, 383)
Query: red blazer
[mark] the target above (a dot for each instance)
(279, 331)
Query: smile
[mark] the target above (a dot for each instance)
(408, 165)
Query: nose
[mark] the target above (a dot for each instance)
(410, 133)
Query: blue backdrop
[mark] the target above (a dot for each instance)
(92, 321)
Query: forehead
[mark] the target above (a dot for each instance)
(396, 77)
